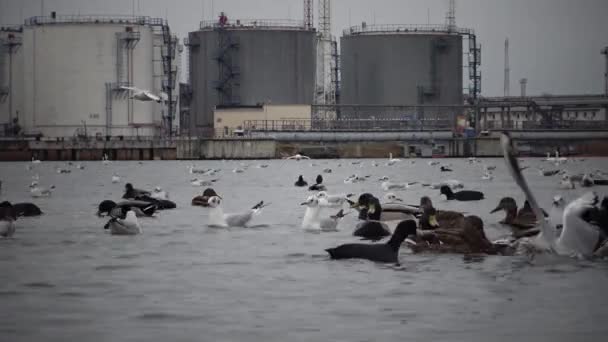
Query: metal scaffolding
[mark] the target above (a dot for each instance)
(228, 82)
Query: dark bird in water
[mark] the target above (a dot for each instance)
(203, 200)
(113, 209)
(386, 252)
(465, 236)
(132, 193)
(319, 185)
(464, 195)
(548, 173)
(445, 169)
(432, 218)
(370, 211)
(301, 182)
(27, 209)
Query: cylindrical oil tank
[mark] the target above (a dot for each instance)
(249, 62)
(75, 68)
(397, 65)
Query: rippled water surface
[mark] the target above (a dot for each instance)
(63, 278)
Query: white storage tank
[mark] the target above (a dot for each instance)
(75, 68)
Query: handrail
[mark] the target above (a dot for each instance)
(255, 23)
(405, 28)
(87, 19)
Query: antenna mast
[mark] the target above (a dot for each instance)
(325, 19)
(507, 69)
(451, 17)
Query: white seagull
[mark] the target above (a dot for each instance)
(219, 219)
(297, 157)
(578, 238)
(145, 95)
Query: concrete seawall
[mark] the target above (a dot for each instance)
(326, 145)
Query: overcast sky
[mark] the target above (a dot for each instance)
(554, 43)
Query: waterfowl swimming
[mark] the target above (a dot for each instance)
(388, 185)
(113, 209)
(578, 237)
(219, 219)
(127, 226)
(390, 197)
(203, 200)
(391, 160)
(433, 219)
(386, 252)
(297, 157)
(331, 201)
(547, 173)
(202, 182)
(132, 193)
(524, 219)
(463, 195)
(161, 204)
(300, 182)
(26, 209)
(319, 185)
(467, 238)
(63, 171)
(8, 216)
(312, 221)
(37, 191)
(159, 194)
(370, 211)
(115, 178)
(566, 183)
(452, 183)
(387, 211)
(445, 169)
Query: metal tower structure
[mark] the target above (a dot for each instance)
(325, 19)
(507, 69)
(308, 17)
(451, 16)
(523, 82)
(605, 53)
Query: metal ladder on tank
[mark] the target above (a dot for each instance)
(126, 42)
(170, 71)
(228, 82)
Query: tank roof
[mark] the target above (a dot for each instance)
(405, 29)
(256, 24)
(95, 19)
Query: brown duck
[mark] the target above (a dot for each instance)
(203, 200)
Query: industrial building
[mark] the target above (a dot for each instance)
(74, 73)
(246, 63)
(11, 80)
(404, 65)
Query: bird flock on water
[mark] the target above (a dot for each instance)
(578, 228)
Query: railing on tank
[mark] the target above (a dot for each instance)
(288, 24)
(398, 28)
(11, 28)
(94, 19)
(347, 125)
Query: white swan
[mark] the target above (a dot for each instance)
(105, 160)
(35, 161)
(146, 95)
(578, 238)
(128, 226)
(218, 218)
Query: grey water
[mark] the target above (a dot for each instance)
(63, 278)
